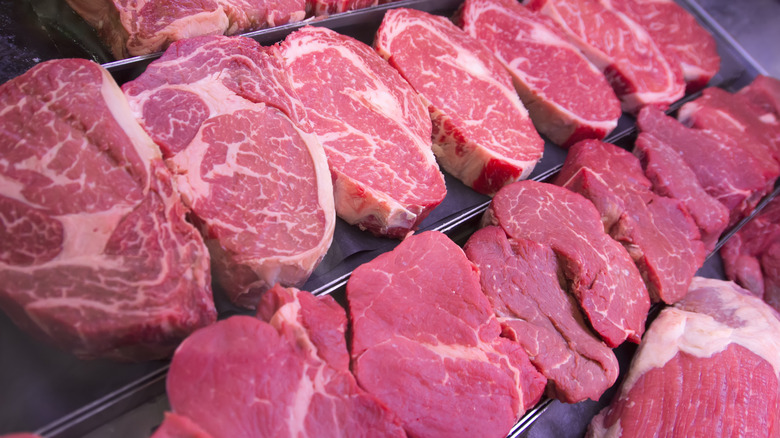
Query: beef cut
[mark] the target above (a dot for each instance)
(288, 377)
(716, 162)
(632, 62)
(375, 130)
(327, 7)
(600, 272)
(672, 178)
(425, 342)
(178, 426)
(522, 280)
(763, 92)
(482, 133)
(681, 39)
(567, 97)
(658, 233)
(706, 367)
(245, 159)
(95, 253)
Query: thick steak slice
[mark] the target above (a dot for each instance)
(425, 342)
(95, 252)
(521, 279)
(672, 178)
(717, 163)
(244, 378)
(375, 130)
(705, 368)
(764, 92)
(245, 160)
(621, 48)
(658, 233)
(602, 276)
(140, 27)
(482, 133)
(178, 426)
(681, 39)
(567, 97)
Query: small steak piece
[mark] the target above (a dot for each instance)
(178, 426)
(521, 279)
(375, 130)
(244, 157)
(632, 62)
(658, 233)
(764, 92)
(605, 281)
(672, 178)
(567, 97)
(327, 7)
(482, 133)
(681, 39)
(95, 253)
(288, 377)
(718, 164)
(704, 368)
(425, 342)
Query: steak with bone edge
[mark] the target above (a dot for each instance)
(706, 367)
(95, 253)
(543, 64)
(375, 130)
(751, 257)
(621, 48)
(178, 426)
(244, 157)
(681, 39)
(672, 178)
(718, 163)
(132, 28)
(288, 377)
(425, 342)
(598, 269)
(522, 280)
(658, 233)
(482, 133)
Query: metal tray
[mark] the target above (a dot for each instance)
(57, 395)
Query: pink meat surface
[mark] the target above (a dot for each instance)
(764, 92)
(327, 7)
(178, 426)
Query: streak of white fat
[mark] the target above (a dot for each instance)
(768, 118)
(86, 234)
(597, 430)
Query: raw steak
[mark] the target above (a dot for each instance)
(658, 233)
(245, 378)
(375, 130)
(750, 256)
(601, 274)
(95, 253)
(764, 92)
(177, 426)
(621, 48)
(672, 178)
(522, 279)
(705, 368)
(327, 7)
(482, 133)
(567, 97)
(244, 157)
(139, 27)
(717, 163)
(426, 343)
(678, 35)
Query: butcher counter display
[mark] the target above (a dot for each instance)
(145, 198)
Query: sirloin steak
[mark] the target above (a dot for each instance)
(375, 130)
(245, 160)
(482, 133)
(567, 97)
(425, 342)
(707, 367)
(288, 377)
(95, 253)
(601, 274)
(521, 279)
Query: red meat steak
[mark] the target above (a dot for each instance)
(521, 280)
(704, 368)
(605, 281)
(95, 252)
(327, 7)
(567, 97)
(425, 342)
(245, 160)
(177, 426)
(482, 133)
(764, 92)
